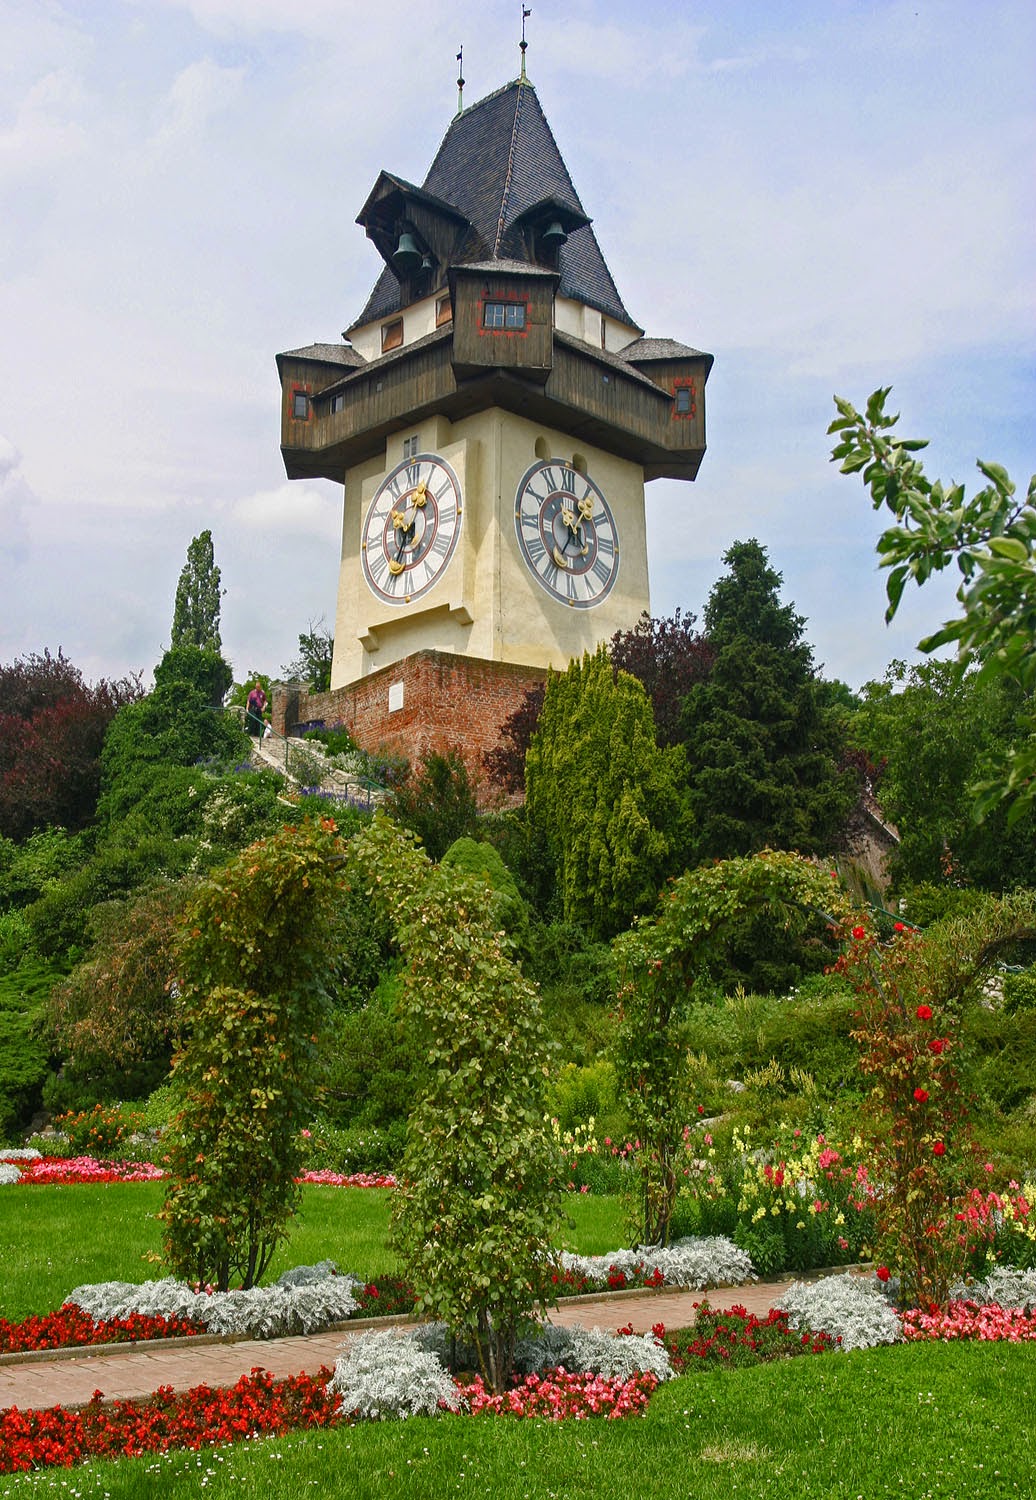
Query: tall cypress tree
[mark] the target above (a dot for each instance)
(761, 751)
(196, 610)
(608, 798)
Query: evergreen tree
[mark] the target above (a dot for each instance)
(608, 798)
(761, 752)
(196, 610)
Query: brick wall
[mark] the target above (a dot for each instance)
(430, 701)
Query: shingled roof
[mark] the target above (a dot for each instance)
(498, 159)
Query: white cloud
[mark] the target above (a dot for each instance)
(292, 509)
(199, 92)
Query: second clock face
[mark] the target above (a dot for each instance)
(412, 529)
(566, 533)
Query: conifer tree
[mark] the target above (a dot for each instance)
(761, 751)
(607, 797)
(196, 610)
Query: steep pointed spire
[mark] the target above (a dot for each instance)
(497, 161)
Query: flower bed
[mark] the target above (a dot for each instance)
(71, 1327)
(62, 1171)
(970, 1320)
(558, 1395)
(256, 1406)
(736, 1337)
(57, 1171)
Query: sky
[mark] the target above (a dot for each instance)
(827, 195)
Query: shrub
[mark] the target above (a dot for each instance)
(100, 1132)
(385, 1374)
(852, 1309)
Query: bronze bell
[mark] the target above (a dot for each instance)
(553, 237)
(406, 257)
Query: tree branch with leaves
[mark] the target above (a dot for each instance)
(991, 538)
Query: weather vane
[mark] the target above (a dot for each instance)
(523, 44)
(460, 78)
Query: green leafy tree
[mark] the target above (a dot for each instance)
(608, 799)
(196, 608)
(937, 731)
(438, 802)
(660, 961)
(118, 1006)
(762, 753)
(479, 1200)
(313, 663)
(254, 954)
(991, 538)
(198, 668)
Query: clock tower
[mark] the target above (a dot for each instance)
(492, 414)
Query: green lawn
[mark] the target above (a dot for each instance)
(919, 1421)
(55, 1238)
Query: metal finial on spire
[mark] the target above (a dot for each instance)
(526, 13)
(460, 78)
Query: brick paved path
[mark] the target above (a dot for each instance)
(67, 1379)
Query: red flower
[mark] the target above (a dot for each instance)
(882, 1273)
(924, 1012)
(920, 1095)
(939, 1149)
(859, 932)
(898, 927)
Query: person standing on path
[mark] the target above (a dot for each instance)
(255, 710)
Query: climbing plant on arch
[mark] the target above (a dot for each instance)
(659, 961)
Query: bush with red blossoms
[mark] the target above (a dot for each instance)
(556, 1395)
(70, 1327)
(257, 1406)
(736, 1337)
(915, 1115)
(970, 1320)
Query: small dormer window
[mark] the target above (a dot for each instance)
(503, 315)
(391, 335)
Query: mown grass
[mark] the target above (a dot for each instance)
(923, 1421)
(55, 1238)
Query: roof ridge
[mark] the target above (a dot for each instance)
(507, 175)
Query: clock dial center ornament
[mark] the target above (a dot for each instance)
(412, 528)
(566, 533)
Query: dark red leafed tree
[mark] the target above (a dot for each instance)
(52, 727)
(669, 657)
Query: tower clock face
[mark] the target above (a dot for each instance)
(567, 534)
(412, 529)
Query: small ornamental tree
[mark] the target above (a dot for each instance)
(479, 1197)
(912, 994)
(252, 962)
(658, 963)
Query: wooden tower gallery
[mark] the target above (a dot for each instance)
(492, 414)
